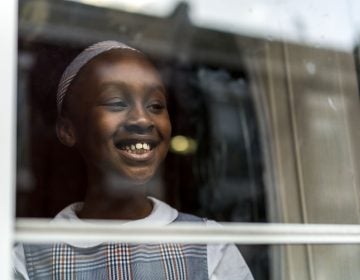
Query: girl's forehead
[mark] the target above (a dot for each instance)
(115, 71)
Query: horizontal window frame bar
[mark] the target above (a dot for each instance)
(44, 231)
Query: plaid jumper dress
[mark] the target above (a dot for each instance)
(115, 261)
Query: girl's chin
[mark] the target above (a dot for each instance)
(136, 178)
(141, 175)
(119, 177)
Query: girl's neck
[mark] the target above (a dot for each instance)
(119, 208)
(113, 198)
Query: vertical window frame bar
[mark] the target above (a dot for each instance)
(8, 51)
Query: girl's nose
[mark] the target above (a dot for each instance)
(139, 121)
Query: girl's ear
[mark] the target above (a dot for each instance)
(65, 131)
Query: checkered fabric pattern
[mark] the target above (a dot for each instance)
(115, 261)
(118, 256)
(64, 262)
(174, 262)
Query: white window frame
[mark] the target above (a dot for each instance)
(8, 51)
(41, 231)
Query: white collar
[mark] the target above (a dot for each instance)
(162, 214)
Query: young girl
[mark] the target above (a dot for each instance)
(112, 108)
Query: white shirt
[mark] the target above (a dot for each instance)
(224, 260)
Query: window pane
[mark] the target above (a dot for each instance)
(267, 112)
(303, 262)
(219, 173)
(264, 109)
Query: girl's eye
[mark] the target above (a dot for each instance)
(116, 105)
(156, 107)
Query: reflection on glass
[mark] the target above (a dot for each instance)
(112, 109)
(262, 97)
(315, 262)
(219, 164)
(331, 262)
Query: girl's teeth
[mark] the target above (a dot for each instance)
(137, 147)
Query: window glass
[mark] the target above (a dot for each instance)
(263, 102)
(215, 164)
(271, 262)
(264, 112)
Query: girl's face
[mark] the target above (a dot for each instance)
(118, 109)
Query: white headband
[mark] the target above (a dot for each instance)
(83, 58)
